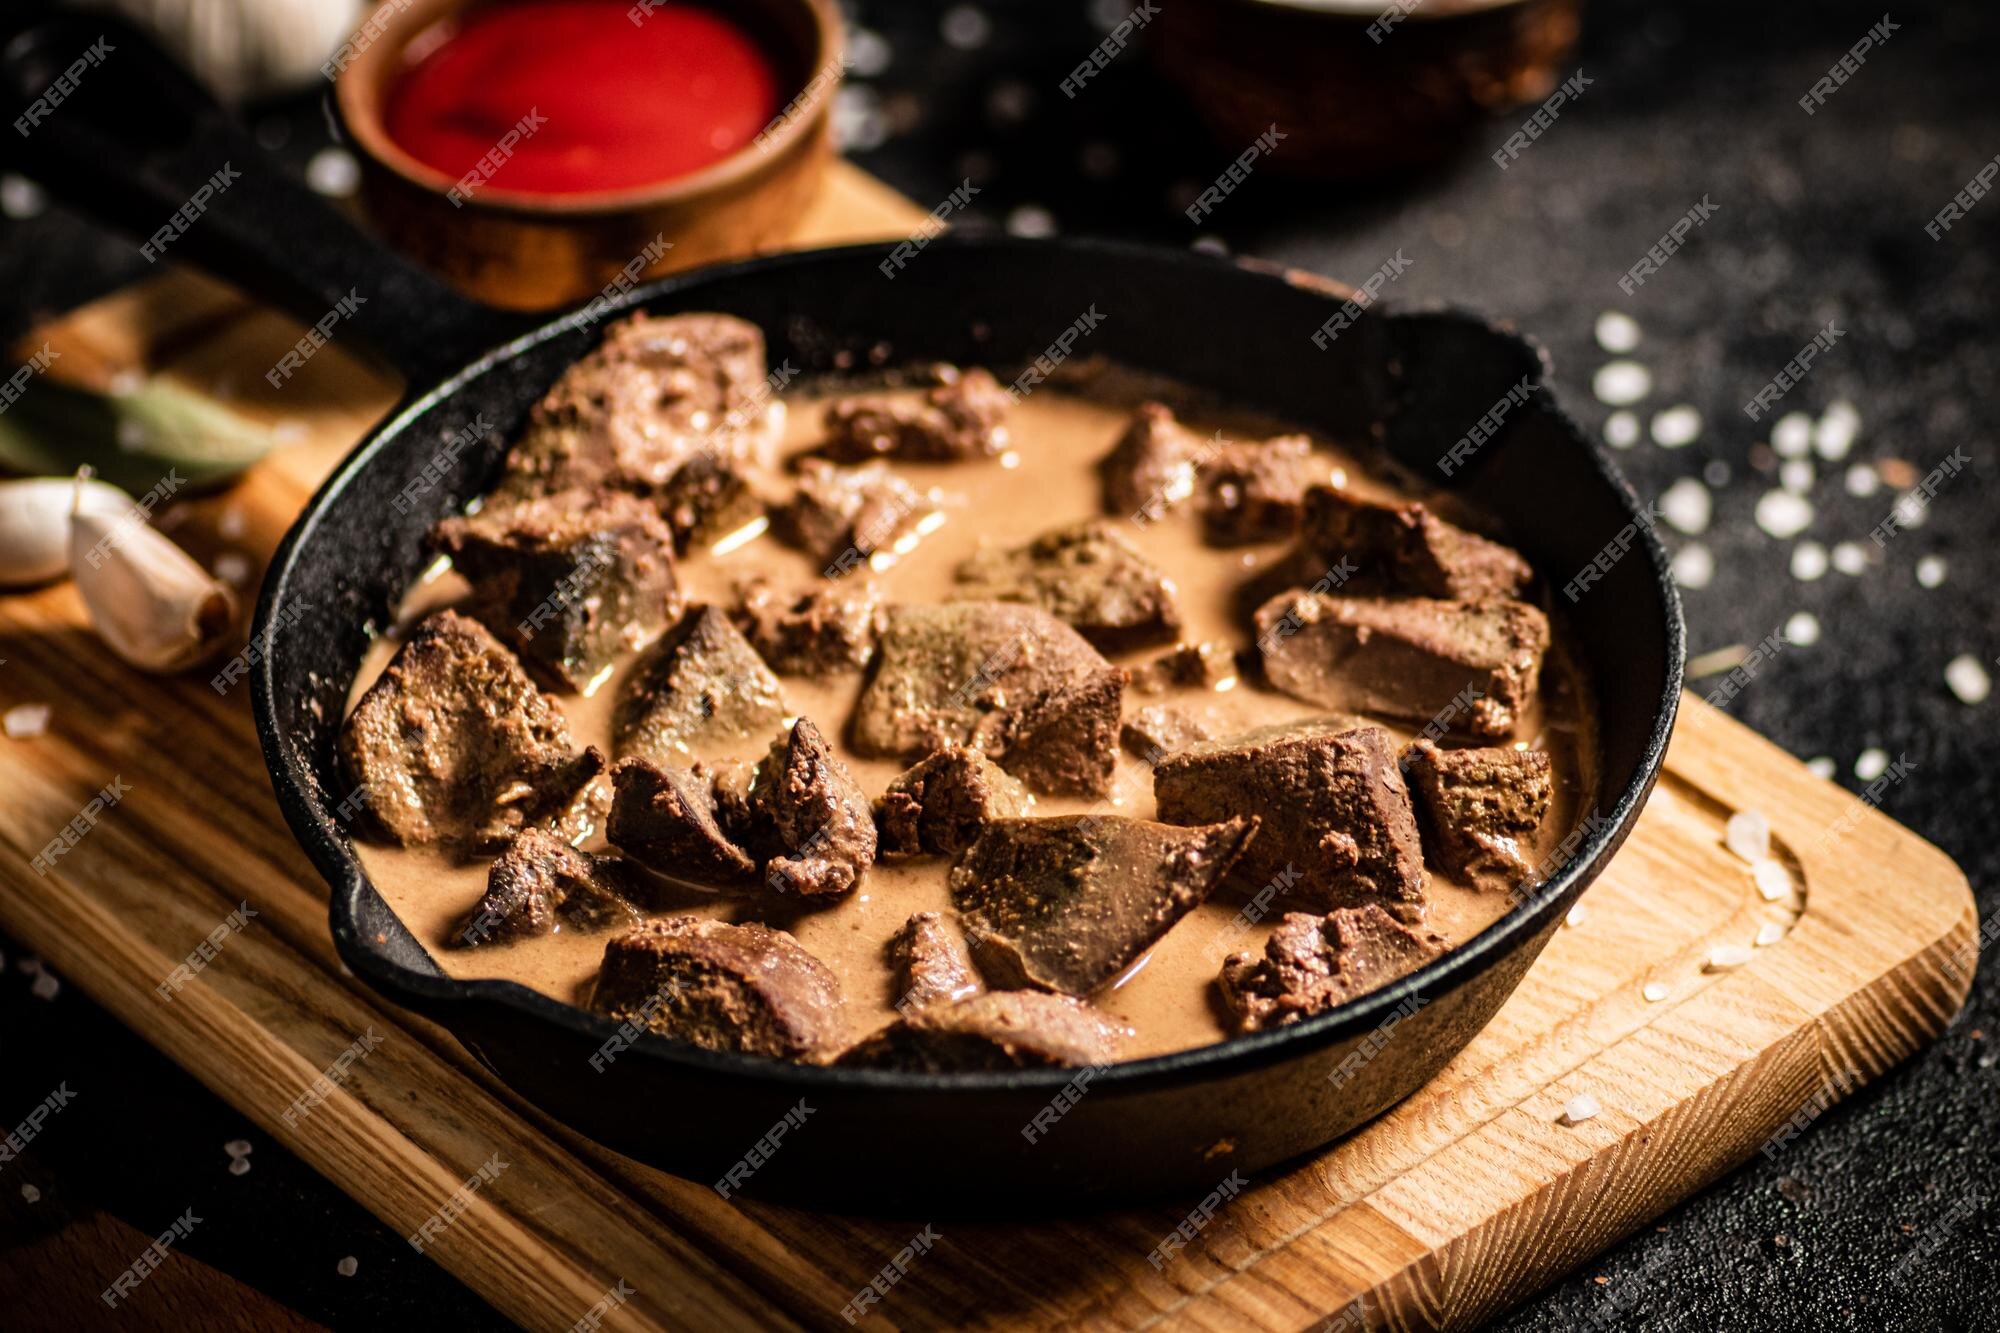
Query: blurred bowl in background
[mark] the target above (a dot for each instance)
(530, 251)
(1361, 88)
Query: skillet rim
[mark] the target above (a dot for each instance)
(434, 996)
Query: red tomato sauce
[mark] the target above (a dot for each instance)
(574, 96)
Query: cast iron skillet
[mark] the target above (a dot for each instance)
(134, 147)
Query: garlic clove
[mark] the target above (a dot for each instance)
(148, 599)
(34, 524)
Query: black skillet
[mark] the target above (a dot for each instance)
(136, 138)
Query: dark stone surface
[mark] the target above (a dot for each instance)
(1819, 219)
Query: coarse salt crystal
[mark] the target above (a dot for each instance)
(1748, 834)
(1802, 629)
(1773, 884)
(31, 1194)
(26, 721)
(1580, 1108)
(1783, 514)
(1621, 383)
(1693, 566)
(1676, 427)
(1687, 505)
(1930, 571)
(237, 1147)
(1808, 561)
(45, 986)
(1871, 764)
(1577, 916)
(1655, 991)
(231, 524)
(1725, 956)
(1621, 430)
(1968, 679)
(333, 172)
(1862, 481)
(232, 567)
(1797, 476)
(1838, 426)
(1911, 509)
(1792, 436)
(1850, 559)
(1617, 333)
(239, 1166)
(1820, 766)
(348, 1266)
(1769, 933)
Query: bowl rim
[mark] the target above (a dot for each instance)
(435, 995)
(360, 113)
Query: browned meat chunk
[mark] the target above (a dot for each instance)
(1407, 548)
(1012, 681)
(453, 744)
(822, 829)
(816, 631)
(1467, 667)
(1152, 467)
(1066, 904)
(843, 515)
(1157, 730)
(700, 685)
(566, 580)
(541, 884)
(665, 819)
(959, 418)
(744, 988)
(1086, 574)
(930, 964)
(1479, 809)
(708, 497)
(1313, 963)
(1253, 491)
(1193, 665)
(1337, 828)
(996, 1031)
(655, 393)
(939, 807)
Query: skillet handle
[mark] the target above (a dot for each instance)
(99, 115)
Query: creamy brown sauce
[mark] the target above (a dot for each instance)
(1047, 477)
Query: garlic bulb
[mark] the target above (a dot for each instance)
(245, 48)
(148, 599)
(34, 524)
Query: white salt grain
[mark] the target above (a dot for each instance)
(1654, 991)
(1968, 679)
(1930, 571)
(1871, 763)
(1687, 505)
(1621, 430)
(1773, 884)
(1769, 933)
(31, 1194)
(239, 1166)
(347, 1267)
(1694, 566)
(26, 721)
(1820, 766)
(1808, 561)
(1797, 476)
(1617, 333)
(1783, 514)
(1802, 629)
(1580, 1108)
(1862, 480)
(1838, 426)
(237, 1147)
(1725, 956)
(333, 172)
(1621, 383)
(45, 986)
(1850, 559)
(1792, 436)
(1676, 427)
(1912, 509)
(965, 27)
(231, 524)
(1748, 834)
(232, 568)
(1577, 916)
(1031, 220)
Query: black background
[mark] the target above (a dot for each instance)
(1819, 219)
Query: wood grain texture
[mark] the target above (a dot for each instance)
(1459, 1202)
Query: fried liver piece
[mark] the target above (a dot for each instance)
(1195, 665)
(701, 684)
(655, 393)
(540, 885)
(1478, 808)
(708, 497)
(930, 964)
(1157, 730)
(1406, 548)
(1086, 574)
(743, 988)
(958, 418)
(939, 807)
(568, 579)
(999, 1030)
(820, 830)
(1152, 467)
(1068, 903)
(1254, 490)
(453, 744)
(1467, 667)
(816, 631)
(1337, 829)
(1010, 680)
(665, 818)
(843, 515)
(1313, 963)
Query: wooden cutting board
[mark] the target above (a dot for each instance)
(1460, 1202)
